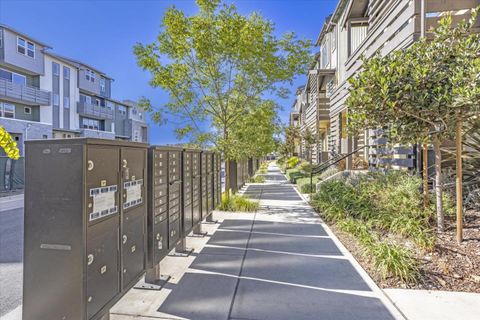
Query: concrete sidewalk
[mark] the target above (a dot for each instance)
(278, 263)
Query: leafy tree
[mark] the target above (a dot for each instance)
(423, 92)
(218, 66)
(8, 144)
(292, 138)
(309, 140)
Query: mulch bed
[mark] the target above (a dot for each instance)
(449, 267)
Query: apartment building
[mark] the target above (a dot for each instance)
(23, 103)
(363, 28)
(45, 95)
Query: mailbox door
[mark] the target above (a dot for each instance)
(196, 201)
(102, 265)
(173, 233)
(187, 219)
(160, 239)
(133, 228)
(102, 189)
(133, 249)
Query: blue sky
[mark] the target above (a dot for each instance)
(102, 33)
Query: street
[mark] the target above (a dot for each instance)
(11, 257)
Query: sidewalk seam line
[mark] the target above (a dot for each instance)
(243, 261)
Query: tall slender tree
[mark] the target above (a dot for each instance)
(218, 66)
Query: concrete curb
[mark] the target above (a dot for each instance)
(11, 202)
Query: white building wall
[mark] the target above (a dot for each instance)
(46, 83)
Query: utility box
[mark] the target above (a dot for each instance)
(85, 226)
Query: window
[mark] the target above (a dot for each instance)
(30, 49)
(110, 105)
(1, 38)
(97, 102)
(66, 102)
(56, 99)
(27, 110)
(88, 100)
(102, 84)
(92, 124)
(66, 73)
(90, 75)
(7, 110)
(25, 47)
(19, 79)
(122, 110)
(21, 46)
(13, 77)
(55, 69)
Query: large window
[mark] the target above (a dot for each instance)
(25, 47)
(56, 69)
(92, 124)
(19, 79)
(66, 73)
(102, 84)
(56, 99)
(13, 77)
(122, 110)
(7, 110)
(66, 102)
(90, 75)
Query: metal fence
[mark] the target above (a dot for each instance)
(12, 174)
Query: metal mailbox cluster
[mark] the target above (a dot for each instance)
(99, 214)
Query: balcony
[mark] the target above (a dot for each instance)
(95, 111)
(23, 94)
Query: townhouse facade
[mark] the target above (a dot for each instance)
(356, 29)
(44, 95)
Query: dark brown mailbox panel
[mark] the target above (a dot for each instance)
(85, 226)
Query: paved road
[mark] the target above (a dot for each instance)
(11, 257)
(279, 264)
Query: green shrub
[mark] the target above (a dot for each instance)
(373, 204)
(236, 202)
(304, 166)
(394, 260)
(292, 162)
(294, 174)
(256, 179)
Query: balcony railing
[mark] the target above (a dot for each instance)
(24, 94)
(95, 111)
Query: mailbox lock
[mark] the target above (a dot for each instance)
(90, 299)
(124, 163)
(90, 259)
(103, 269)
(133, 248)
(124, 238)
(158, 236)
(90, 165)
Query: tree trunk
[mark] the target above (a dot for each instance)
(426, 201)
(438, 183)
(458, 181)
(227, 166)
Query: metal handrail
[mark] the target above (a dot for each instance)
(330, 162)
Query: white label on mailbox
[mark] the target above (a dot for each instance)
(134, 192)
(103, 201)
